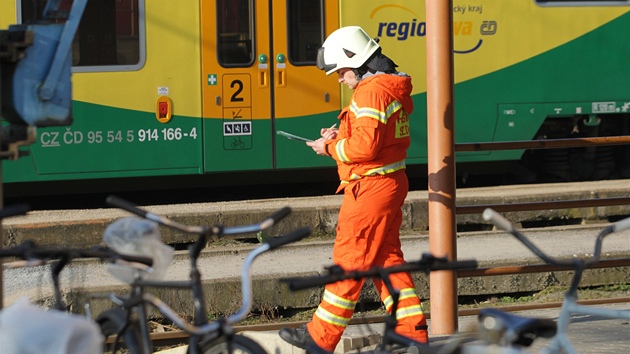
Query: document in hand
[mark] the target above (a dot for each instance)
(292, 137)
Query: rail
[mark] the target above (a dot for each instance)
(544, 205)
(537, 268)
(446, 245)
(177, 337)
(556, 204)
(543, 144)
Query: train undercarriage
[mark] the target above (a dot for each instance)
(574, 164)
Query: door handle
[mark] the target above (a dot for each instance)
(263, 71)
(281, 67)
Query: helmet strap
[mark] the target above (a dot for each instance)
(360, 72)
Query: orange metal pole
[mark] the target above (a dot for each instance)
(1, 230)
(441, 162)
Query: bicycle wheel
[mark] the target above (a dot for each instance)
(238, 345)
(111, 322)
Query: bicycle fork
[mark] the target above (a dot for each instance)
(140, 312)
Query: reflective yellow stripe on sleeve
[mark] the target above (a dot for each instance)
(341, 152)
(375, 113)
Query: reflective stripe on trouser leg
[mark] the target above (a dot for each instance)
(404, 295)
(411, 320)
(334, 313)
(367, 234)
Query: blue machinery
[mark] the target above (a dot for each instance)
(35, 84)
(35, 75)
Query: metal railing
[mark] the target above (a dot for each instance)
(544, 144)
(543, 205)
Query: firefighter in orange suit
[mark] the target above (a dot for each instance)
(370, 147)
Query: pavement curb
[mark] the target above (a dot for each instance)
(84, 228)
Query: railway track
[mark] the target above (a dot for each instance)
(175, 338)
(323, 205)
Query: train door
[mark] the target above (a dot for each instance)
(258, 66)
(305, 99)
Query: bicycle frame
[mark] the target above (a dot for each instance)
(58, 258)
(214, 327)
(33, 255)
(427, 263)
(560, 341)
(200, 330)
(138, 298)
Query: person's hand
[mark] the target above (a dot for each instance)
(329, 133)
(318, 146)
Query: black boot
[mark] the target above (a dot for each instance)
(300, 338)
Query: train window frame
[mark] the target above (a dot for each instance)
(251, 33)
(293, 37)
(141, 42)
(574, 3)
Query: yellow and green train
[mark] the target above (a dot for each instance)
(200, 87)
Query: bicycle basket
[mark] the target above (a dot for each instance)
(138, 237)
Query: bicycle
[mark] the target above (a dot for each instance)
(512, 333)
(205, 337)
(31, 329)
(391, 342)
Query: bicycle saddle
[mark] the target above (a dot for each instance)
(515, 329)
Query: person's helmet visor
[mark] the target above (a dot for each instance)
(321, 63)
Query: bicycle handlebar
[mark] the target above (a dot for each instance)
(427, 263)
(502, 223)
(218, 230)
(246, 290)
(497, 219)
(621, 225)
(126, 205)
(29, 250)
(263, 225)
(132, 208)
(293, 236)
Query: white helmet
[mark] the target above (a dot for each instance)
(347, 47)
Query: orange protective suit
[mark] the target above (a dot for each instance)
(370, 150)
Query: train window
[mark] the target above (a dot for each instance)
(235, 21)
(110, 36)
(305, 30)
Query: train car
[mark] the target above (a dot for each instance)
(168, 89)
